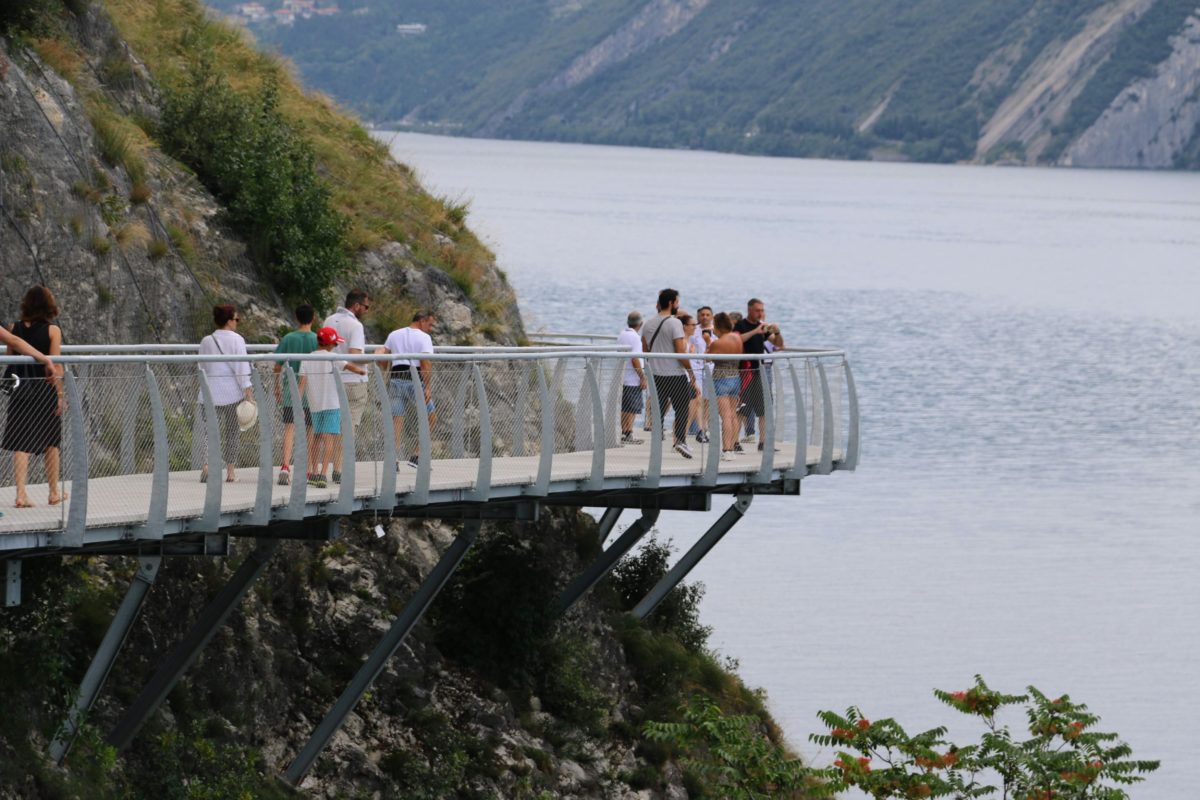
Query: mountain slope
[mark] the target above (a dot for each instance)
(931, 80)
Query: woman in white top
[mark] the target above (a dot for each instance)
(229, 382)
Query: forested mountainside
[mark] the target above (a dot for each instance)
(1070, 82)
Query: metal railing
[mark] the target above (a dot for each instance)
(137, 428)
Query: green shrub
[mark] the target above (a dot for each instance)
(679, 612)
(264, 171)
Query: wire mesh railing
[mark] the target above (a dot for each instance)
(139, 438)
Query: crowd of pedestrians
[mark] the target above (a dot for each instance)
(677, 382)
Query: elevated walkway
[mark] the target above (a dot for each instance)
(511, 430)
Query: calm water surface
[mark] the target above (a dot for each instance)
(1027, 345)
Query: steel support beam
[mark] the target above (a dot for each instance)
(189, 648)
(391, 642)
(608, 559)
(12, 582)
(106, 655)
(693, 557)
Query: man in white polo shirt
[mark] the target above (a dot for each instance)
(414, 339)
(347, 321)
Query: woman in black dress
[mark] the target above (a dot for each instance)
(34, 422)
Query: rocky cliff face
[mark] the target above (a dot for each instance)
(144, 257)
(1153, 120)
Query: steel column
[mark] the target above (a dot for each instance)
(768, 429)
(800, 463)
(712, 459)
(12, 582)
(693, 557)
(378, 659)
(345, 499)
(189, 648)
(654, 469)
(106, 655)
(420, 493)
(609, 558)
(825, 466)
(261, 514)
(483, 476)
(850, 457)
(592, 387)
(546, 455)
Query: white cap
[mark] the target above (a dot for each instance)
(247, 414)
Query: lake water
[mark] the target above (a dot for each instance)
(1027, 348)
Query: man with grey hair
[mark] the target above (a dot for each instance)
(633, 381)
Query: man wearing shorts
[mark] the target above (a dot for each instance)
(755, 333)
(319, 387)
(633, 379)
(300, 341)
(347, 321)
(413, 341)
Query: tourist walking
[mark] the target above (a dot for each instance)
(228, 381)
(633, 376)
(673, 377)
(34, 420)
(413, 340)
(299, 342)
(347, 321)
(318, 384)
(696, 424)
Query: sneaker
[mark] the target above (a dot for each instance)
(627, 438)
(415, 461)
(727, 455)
(760, 447)
(683, 449)
(337, 476)
(317, 480)
(285, 476)
(737, 447)
(702, 437)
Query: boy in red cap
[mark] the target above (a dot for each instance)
(317, 385)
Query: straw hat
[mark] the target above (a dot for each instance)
(247, 414)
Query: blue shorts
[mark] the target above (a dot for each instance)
(728, 387)
(400, 392)
(327, 421)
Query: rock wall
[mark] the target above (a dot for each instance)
(1154, 119)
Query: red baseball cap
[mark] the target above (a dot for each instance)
(328, 336)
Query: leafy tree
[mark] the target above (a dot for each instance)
(1063, 758)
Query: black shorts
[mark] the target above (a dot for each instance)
(289, 418)
(631, 399)
(753, 401)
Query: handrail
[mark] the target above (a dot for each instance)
(498, 423)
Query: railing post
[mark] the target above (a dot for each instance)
(799, 466)
(387, 481)
(345, 499)
(712, 460)
(826, 464)
(160, 483)
(77, 510)
(266, 457)
(299, 487)
(596, 481)
(420, 493)
(654, 469)
(768, 428)
(520, 405)
(612, 406)
(483, 479)
(546, 457)
(850, 457)
(209, 521)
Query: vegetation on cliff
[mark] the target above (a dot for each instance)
(846, 80)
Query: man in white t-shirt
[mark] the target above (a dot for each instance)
(413, 341)
(318, 386)
(347, 321)
(633, 379)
